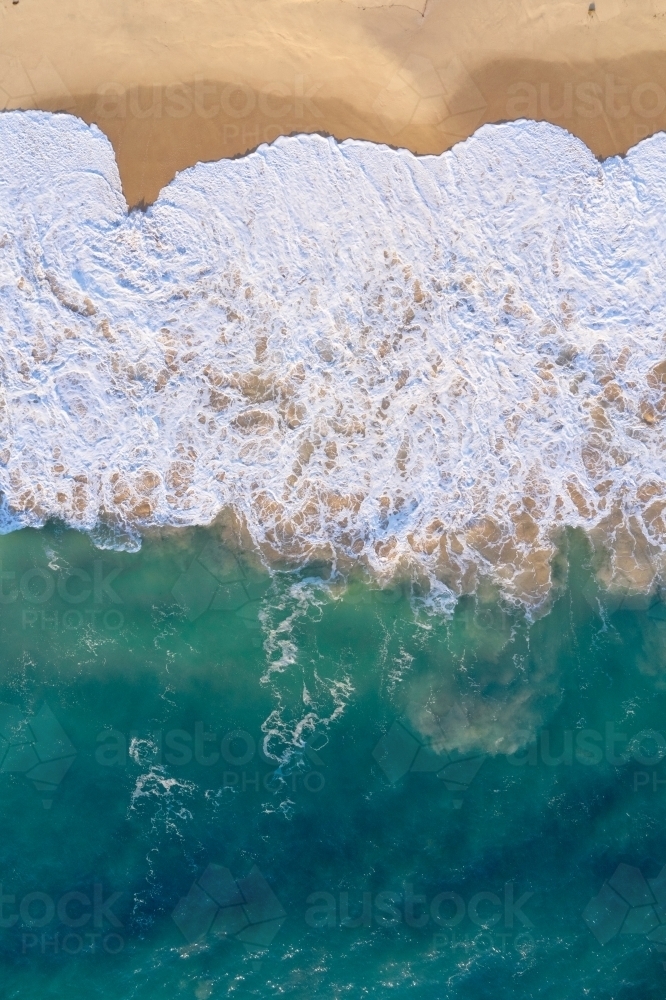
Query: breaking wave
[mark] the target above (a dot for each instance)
(429, 366)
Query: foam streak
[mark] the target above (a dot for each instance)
(430, 364)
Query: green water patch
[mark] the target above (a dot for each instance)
(216, 782)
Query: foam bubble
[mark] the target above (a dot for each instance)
(428, 365)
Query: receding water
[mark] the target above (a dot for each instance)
(216, 783)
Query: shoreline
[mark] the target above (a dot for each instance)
(171, 85)
(490, 275)
(170, 145)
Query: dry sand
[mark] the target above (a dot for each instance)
(172, 83)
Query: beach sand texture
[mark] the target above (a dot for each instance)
(172, 84)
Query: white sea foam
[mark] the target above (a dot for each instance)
(428, 364)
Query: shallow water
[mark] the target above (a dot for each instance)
(431, 364)
(396, 802)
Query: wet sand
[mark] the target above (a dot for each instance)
(175, 83)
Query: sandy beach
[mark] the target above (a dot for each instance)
(175, 83)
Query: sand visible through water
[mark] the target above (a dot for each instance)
(424, 367)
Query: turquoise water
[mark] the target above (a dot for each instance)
(218, 784)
